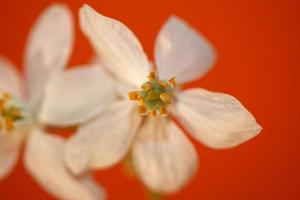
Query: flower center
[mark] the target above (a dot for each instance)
(155, 96)
(9, 113)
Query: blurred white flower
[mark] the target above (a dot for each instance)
(46, 54)
(162, 155)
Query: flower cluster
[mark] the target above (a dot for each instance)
(122, 103)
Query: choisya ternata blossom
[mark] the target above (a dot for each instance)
(118, 109)
(46, 54)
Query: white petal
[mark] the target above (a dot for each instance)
(48, 48)
(9, 151)
(163, 156)
(104, 141)
(9, 78)
(218, 120)
(182, 52)
(117, 46)
(44, 160)
(77, 95)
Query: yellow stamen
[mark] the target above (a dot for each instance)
(133, 95)
(163, 84)
(9, 124)
(153, 113)
(151, 76)
(163, 111)
(1, 104)
(6, 96)
(142, 109)
(141, 101)
(147, 86)
(166, 98)
(173, 81)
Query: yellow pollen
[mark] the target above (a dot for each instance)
(147, 86)
(6, 96)
(9, 124)
(173, 81)
(142, 109)
(133, 96)
(166, 98)
(151, 76)
(153, 113)
(2, 102)
(141, 101)
(163, 84)
(163, 111)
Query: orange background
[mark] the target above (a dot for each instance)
(258, 47)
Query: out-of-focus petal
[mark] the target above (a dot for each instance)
(9, 151)
(77, 95)
(118, 48)
(105, 140)
(45, 161)
(218, 120)
(9, 78)
(48, 48)
(182, 52)
(163, 156)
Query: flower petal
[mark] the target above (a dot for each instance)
(117, 46)
(163, 156)
(9, 79)
(44, 160)
(48, 48)
(105, 140)
(77, 95)
(182, 52)
(218, 120)
(9, 151)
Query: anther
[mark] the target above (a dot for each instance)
(9, 124)
(142, 109)
(166, 98)
(173, 81)
(153, 113)
(6, 96)
(1, 104)
(147, 86)
(162, 84)
(151, 76)
(163, 111)
(133, 95)
(141, 101)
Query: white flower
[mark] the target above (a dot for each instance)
(46, 55)
(162, 155)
